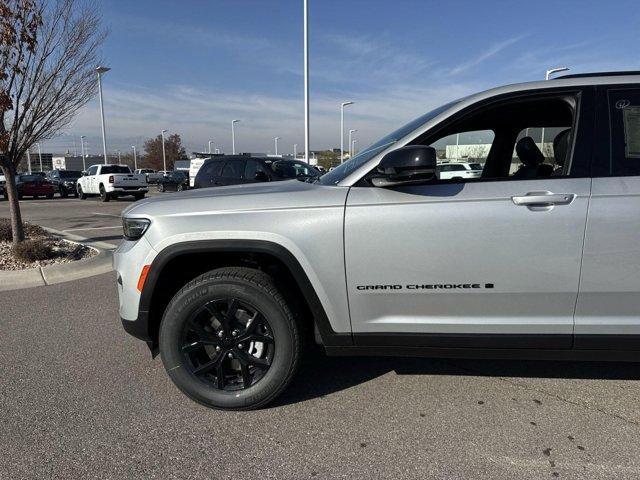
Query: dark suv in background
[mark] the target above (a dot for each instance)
(238, 169)
(64, 181)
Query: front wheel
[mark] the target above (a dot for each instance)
(180, 187)
(229, 341)
(63, 193)
(160, 187)
(80, 193)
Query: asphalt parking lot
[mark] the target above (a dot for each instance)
(81, 399)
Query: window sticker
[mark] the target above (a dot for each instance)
(631, 119)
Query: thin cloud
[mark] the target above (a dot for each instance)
(490, 52)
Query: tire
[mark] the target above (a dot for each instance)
(104, 196)
(179, 187)
(50, 196)
(80, 193)
(245, 384)
(160, 187)
(64, 193)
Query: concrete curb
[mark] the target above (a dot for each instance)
(63, 272)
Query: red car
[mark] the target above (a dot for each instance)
(33, 186)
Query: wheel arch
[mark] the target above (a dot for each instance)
(177, 264)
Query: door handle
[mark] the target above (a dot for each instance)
(544, 199)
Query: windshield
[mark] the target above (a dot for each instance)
(342, 171)
(293, 169)
(115, 169)
(29, 178)
(70, 174)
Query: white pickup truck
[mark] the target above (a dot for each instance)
(111, 181)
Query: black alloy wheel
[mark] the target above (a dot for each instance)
(229, 340)
(228, 344)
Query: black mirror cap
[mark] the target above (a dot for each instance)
(408, 160)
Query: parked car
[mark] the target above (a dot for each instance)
(238, 169)
(155, 176)
(3, 182)
(175, 181)
(381, 257)
(111, 181)
(32, 186)
(145, 171)
(64, 181)
(449, 170)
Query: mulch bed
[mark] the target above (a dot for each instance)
(65, 252)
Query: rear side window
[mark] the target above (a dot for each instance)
(233, 169)
(624, 115)
(211, 169)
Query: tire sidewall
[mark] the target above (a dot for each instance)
(186, 303)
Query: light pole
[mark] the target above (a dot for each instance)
(82, 137)
(29, 161)
(353, 146)
(306, 80)
(210, 142)
(351, 132)
(119, 158)
(342, 105)
(164, 156)
(276, 142)
(39, 155)
(233, 136)
(100, 71)
(135, 158)
(295, 150)
(550, 71)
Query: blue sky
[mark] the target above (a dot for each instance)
(191, 66)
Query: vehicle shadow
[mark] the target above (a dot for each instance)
(321, 375)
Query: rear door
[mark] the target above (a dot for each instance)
(608, 308)
(232, 172)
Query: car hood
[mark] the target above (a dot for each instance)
(248, 197)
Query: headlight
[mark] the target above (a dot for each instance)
(134, 228)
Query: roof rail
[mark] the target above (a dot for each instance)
(599, 74)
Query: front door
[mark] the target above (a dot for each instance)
(488, 262)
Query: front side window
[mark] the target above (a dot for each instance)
(624, 114)
(92, 170)
(458, 152)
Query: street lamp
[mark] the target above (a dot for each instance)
(82, 137)
(164, 156)
(233, 136)
(306, 80)
(295, 150)
(276, 142)
(100, 71)
(135, 158)
(40, 156)
(342, 105)
(550, 71)
(351, 132)
(353, 146)
(210, 142)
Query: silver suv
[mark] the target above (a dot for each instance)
(538, 257)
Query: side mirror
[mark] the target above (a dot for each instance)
(84, 173)
(406, 166)
(261, 177)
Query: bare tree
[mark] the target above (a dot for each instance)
(48, 51)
